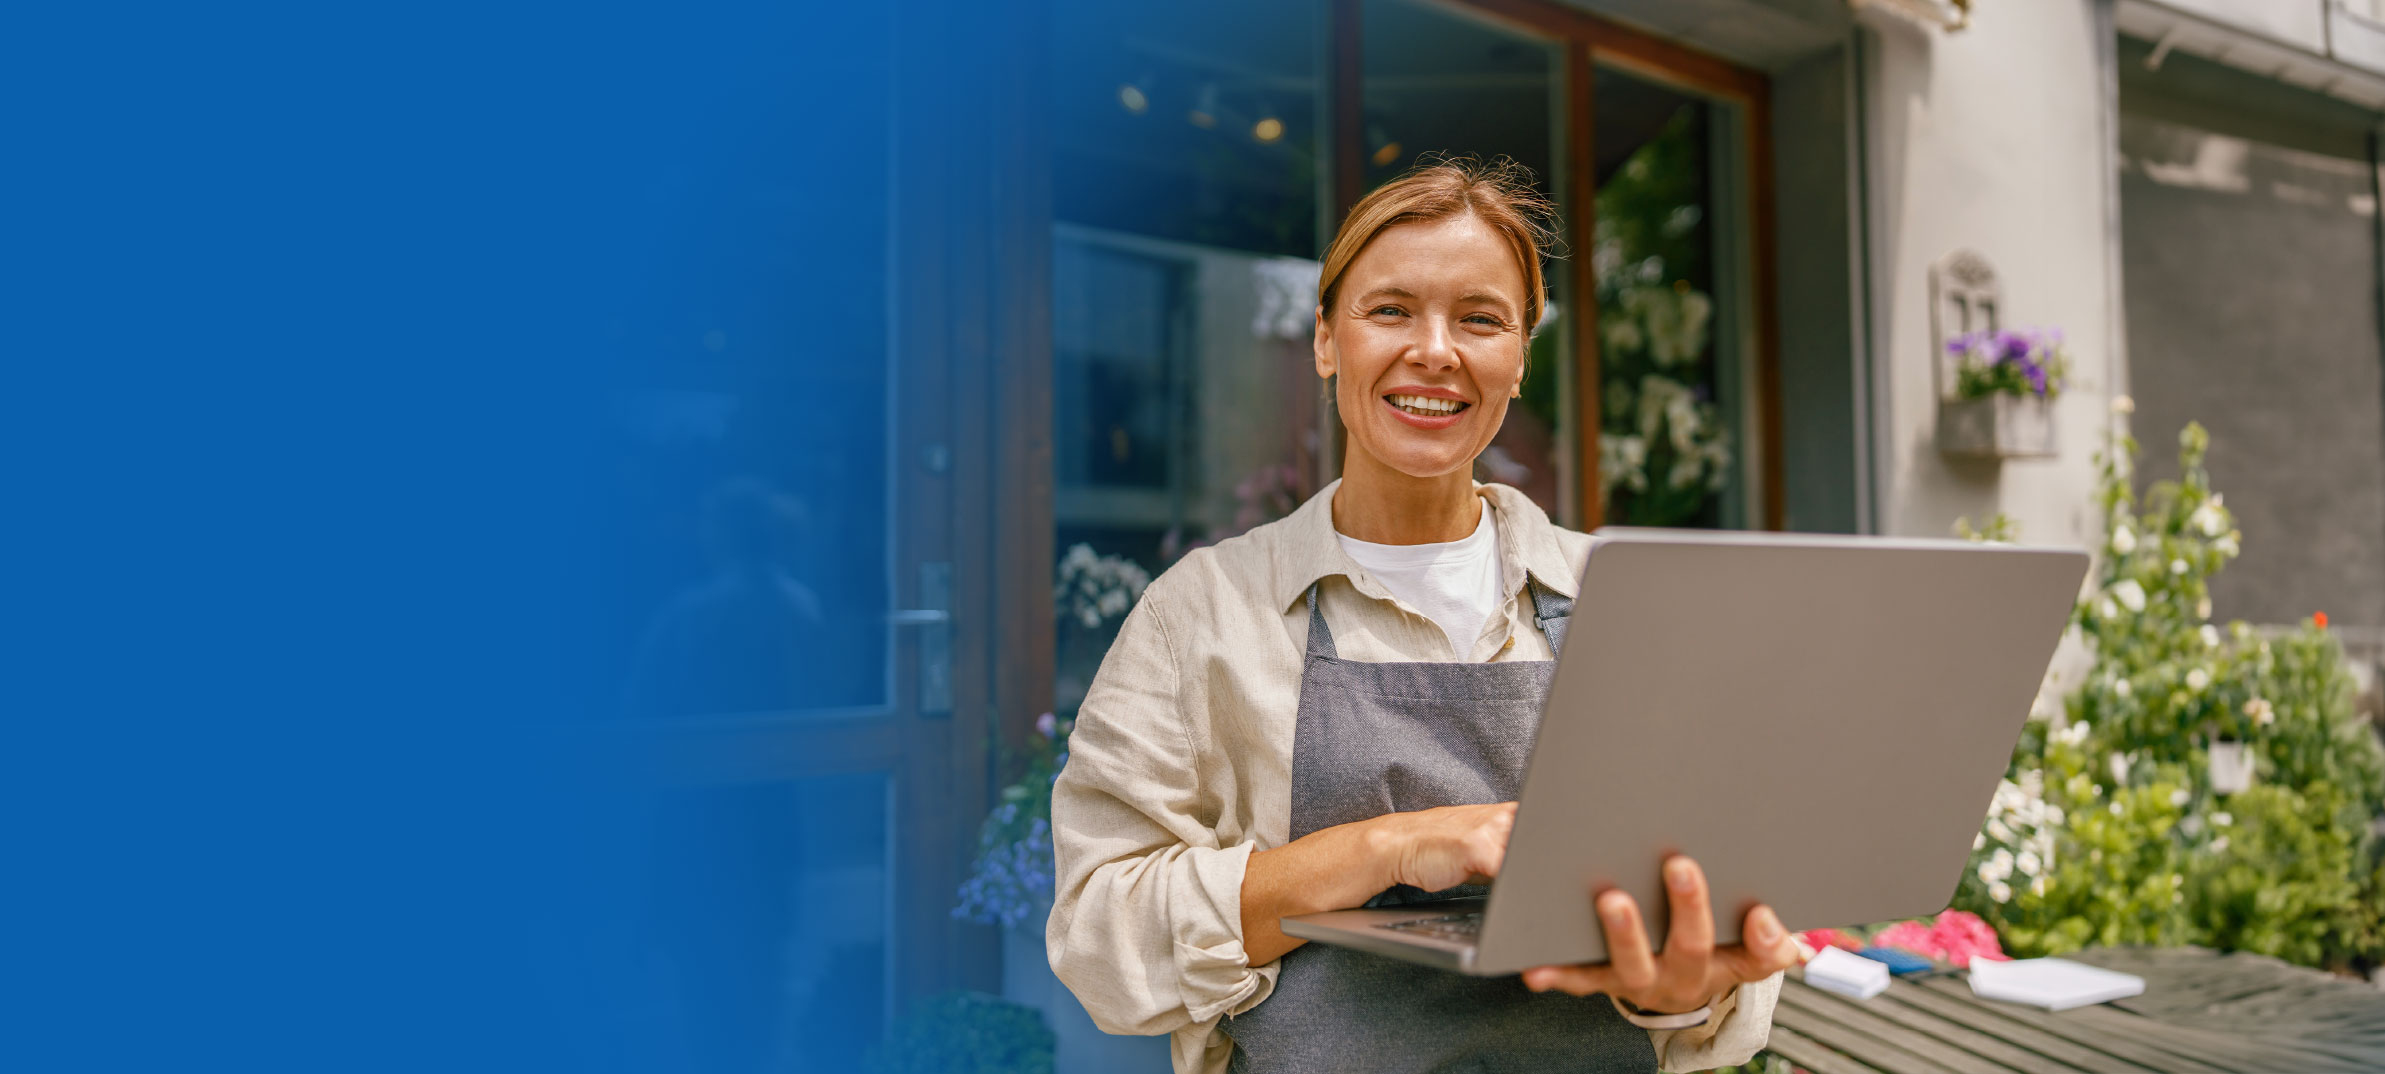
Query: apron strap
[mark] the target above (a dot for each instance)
(1320, 636)
(1549, 609)
(1552, 611)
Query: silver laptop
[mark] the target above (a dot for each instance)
(1819, 720)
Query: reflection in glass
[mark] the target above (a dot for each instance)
(1186, 148)
(1442, 83)
(751, 465)
(1666, 438)
(772, 928)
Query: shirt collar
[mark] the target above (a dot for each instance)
(1310, 549)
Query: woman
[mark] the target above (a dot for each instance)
(1333, 710)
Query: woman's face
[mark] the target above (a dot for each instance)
(1427, 335)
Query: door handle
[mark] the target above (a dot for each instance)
(934, 620)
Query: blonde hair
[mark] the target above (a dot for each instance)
(1499, 193)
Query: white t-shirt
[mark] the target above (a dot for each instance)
(1455, 584)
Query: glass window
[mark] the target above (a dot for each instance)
(752, 472)
(1187, 161)
(1671, 354)
(1442, 81)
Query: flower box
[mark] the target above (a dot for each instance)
(1996, 427)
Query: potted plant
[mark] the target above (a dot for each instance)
(1010, 885)
(2005, 386)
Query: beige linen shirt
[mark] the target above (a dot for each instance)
(1181, 766)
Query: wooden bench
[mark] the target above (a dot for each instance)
(2202, 1011)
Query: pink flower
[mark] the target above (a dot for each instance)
(1957, 936)
(1821, 938)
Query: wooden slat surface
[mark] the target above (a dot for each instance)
(2202, 1013)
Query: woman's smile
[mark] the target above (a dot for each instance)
(1438, 410)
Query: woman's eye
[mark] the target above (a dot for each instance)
(1485, 319)
(1386, 311)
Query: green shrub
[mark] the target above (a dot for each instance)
(2130, 842)
(967, 1033)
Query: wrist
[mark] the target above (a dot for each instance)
(1652, 1019)
(1385, 840)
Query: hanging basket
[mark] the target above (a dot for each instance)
(1997, 427)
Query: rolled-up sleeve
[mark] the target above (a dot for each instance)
(1741, 1025)
(1146, 925)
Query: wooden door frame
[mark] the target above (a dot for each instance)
(1591, 41)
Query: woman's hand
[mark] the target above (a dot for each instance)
(1692, 971)
(1435, 849)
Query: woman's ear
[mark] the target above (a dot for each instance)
(1323, 345)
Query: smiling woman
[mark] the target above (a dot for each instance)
(1334, 709)
(1425, 308)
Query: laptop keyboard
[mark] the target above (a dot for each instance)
(1462, 928)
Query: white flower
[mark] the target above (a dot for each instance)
(2122, 404)
(2198, 678)
(2226, 545)
(2222, 819)
(2037, 886)
(1978, 841)
(2208, 519)
(2179, 797)
(2053, 816)
(2105, 610)
(1622, 462)
(2130, 595)
(2075, 733)
(2260, 711)
(2124, 539)
(2026, 861)
(2210, 636)
(1622, 333)
(1990, 873)
(2177, 566)
(2203, 608)
(2000, 891)
(2122, 688)
(1998, 829)
(2219, 845)
(2119, 763)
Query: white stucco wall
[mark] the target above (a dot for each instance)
(2301, 23)
(1995, 139)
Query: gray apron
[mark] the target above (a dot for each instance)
(1383, 738)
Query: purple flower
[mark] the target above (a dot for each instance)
(2014, 347)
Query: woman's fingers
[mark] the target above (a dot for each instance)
(1489, 840)
(1764, 948)
(1689, 942)
(1631, 963)
(1578, 980)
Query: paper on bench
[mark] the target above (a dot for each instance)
(2056, 984)
(1834, 970)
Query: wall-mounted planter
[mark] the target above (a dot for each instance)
(1996, 427)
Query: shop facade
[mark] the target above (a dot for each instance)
(1775, 214)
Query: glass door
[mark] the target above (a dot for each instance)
(807, 466)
